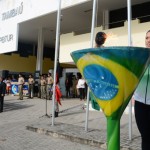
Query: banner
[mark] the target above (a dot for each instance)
(8, 38)
(14, 88)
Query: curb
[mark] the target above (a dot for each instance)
(71, 138)
(66, 137)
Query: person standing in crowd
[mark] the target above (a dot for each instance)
(100, 39)
(43, 88)
(31, 86)
(67, 85)
(74, 89)
(142, 104)
(35, 89)
(2, 93)
(49, 84)
(77, 87)
(39, 87)
(8, 85)
(58, 96)
(45, 76)
(81, 86)
(56, 103)
(20, 86)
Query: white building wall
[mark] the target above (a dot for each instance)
(116, 37)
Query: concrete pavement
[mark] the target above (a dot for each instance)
(68, 130)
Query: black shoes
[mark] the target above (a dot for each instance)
(56, 114)
(20, 99)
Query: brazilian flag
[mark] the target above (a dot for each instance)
(93, 102)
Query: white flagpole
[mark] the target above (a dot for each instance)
(92, 38)
(130, 44)
(57, 45)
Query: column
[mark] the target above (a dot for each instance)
(105, 19)
(39, 62)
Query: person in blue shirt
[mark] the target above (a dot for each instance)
(2, 93)
(142, 104)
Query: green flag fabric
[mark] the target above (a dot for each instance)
(93, 102)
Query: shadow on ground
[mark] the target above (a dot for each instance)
(15, 106)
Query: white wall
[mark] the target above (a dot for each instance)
(116, 37)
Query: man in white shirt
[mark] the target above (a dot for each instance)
(81, 87)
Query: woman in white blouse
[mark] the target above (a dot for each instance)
(81, 87)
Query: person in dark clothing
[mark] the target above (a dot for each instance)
(2, 93)
(67, 85)
(142, 104)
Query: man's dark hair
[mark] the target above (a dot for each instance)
(20, 74)
(100, 38)
(31, 75)
(147, 31)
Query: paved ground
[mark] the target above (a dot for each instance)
(18, 115)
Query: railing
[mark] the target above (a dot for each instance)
(115, 24)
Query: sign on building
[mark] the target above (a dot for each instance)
(13, 12)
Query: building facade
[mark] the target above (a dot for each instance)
(36, 26)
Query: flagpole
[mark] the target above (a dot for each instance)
(92, 39)
(57, 45)
(130, 44)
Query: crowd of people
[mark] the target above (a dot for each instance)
(76, 87)
(41, 88)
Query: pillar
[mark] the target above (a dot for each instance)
(39, 62)
(105, 19)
